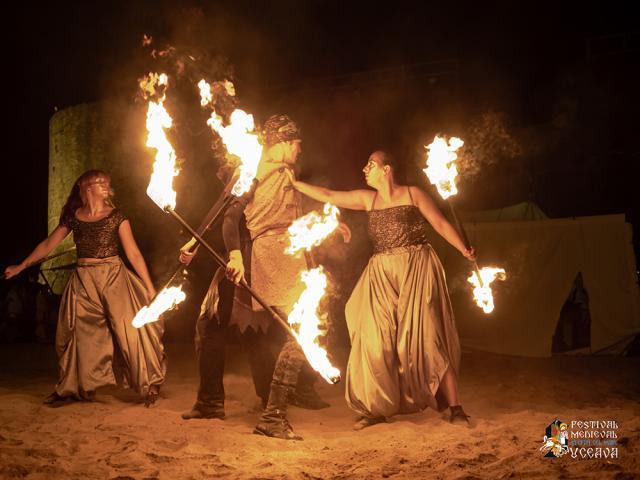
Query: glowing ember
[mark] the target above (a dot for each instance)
(160, 187)
(309, 230)
(304, 316)
(441, 165)
(167, 299)
(239, 138)
(483, 295)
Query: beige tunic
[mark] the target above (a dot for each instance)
(275, 275)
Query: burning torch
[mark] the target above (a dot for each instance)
(442, 172)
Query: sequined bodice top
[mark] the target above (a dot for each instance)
(396, 227)
(97, 239)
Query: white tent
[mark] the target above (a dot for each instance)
(542, 258)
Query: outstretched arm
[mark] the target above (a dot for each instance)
(135, 257)
(434, 216)
(353, 199)
(43, 249)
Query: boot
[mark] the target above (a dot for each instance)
(273, 422)
(305, 396)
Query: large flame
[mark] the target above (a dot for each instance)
(160, 187)
(483, 295)
(309, 230)
(239, 137)
(441, 165)
(167, 299)
(304, 317)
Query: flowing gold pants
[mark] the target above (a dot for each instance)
(95, 341)
(403, 334)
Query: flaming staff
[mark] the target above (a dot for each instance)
(160, 188)
(442, 172)
(305, 233)
(244, 143)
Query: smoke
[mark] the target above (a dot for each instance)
(488, 140)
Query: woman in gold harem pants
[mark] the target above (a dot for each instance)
(405, 352)
(95, 341)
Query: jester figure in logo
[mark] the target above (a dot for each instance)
(555, 442)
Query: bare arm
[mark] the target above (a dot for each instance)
(135, 257)
(43, 249)
(353, 199)
(434, 216)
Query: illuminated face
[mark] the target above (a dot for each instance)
(374, 171)
(100, 186)
(292, 151)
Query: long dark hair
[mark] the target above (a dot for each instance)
(76, 197)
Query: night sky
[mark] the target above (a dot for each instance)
(565, 80)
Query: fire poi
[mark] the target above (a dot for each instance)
(442, 172)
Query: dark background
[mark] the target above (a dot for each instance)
(545, 95)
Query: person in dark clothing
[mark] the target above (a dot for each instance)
(269, 208)
(227, 311)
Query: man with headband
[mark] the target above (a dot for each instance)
(270, 208)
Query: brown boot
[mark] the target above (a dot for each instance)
(273, 422)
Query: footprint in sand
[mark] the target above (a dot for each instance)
(173, 444)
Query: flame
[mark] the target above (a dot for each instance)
(167, 299)
(309, 230)
(205, 93)
(239, 137)
(483, 295)
(229, 88)
(305, 316)
(160, 187)
(441, 165)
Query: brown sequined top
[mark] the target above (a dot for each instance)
(97, 239)
(396, 227)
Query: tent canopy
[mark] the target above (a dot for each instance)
(542, 258)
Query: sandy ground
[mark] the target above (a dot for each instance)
(511, 401)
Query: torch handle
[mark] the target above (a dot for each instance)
(46, 259)
(221, 209)
(283, 322)
(465, 238)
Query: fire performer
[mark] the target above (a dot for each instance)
(269, 210)
(223, 308)
(95, 341)
(405, 351)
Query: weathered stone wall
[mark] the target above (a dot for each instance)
(111, 136)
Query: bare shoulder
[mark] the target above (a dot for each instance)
(366, 197)
(418, 194)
